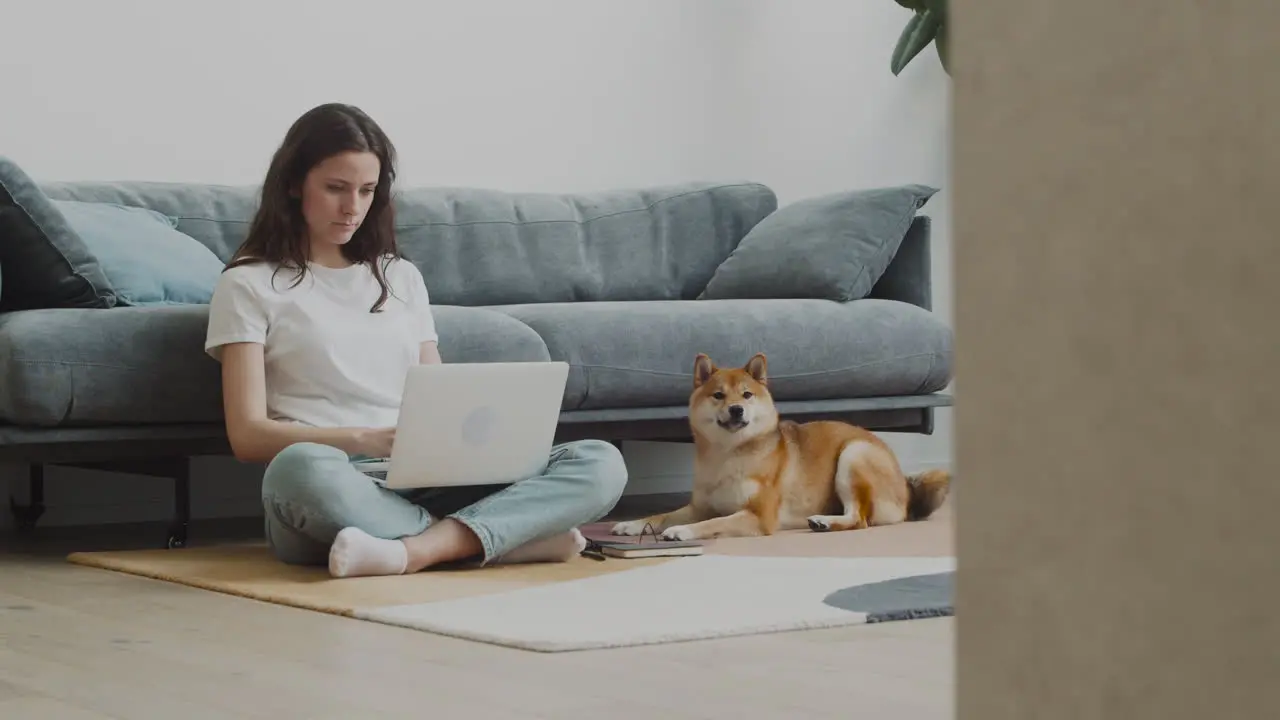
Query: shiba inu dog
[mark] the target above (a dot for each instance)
(756, 474)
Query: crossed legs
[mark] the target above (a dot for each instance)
(319, 509)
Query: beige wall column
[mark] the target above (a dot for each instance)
(1117, 259)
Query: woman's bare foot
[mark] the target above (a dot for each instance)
(445, 541)
(556, 548)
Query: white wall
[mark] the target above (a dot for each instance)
(553, 95)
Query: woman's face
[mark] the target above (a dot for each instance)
(336, 195)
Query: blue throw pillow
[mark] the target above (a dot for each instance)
(829, 247)
(147, 260)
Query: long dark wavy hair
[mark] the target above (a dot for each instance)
(278, 233)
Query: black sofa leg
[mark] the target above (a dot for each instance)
(26, 516)
(181, 505)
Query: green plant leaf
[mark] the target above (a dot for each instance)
(909, 31)
(917, 5)
(919, 32)
(941, 43)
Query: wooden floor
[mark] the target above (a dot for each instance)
(83, 643)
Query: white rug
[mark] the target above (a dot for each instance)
(692, 598)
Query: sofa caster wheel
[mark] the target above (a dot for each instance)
(177, 537)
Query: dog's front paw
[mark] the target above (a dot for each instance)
(679, 532)
(817, 523)
(630, 527)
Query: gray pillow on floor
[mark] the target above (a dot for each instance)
(832, 247)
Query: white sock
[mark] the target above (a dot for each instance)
(356, 553)
(557, 548)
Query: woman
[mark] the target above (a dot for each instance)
(316, 321)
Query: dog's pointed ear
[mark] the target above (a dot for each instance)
(703, 369)
(757, 367)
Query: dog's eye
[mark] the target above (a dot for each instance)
(718, 395)
(746, 395)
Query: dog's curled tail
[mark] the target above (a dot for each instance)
(927, 491)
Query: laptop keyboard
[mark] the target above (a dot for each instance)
(376, 469)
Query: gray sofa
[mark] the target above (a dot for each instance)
(626, 286)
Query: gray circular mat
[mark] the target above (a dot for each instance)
(905, 598)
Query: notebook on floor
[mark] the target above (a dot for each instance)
(601, 543)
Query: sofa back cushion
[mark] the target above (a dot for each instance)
(480, 247)
(486, 247)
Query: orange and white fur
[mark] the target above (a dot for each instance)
(756, 474)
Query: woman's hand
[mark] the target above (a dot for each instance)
(375, 442)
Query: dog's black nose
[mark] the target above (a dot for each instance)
(735, 411)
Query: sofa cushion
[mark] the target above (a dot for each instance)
(146, 260)
(482, 335)
(489, 247)
(134, 365)
(641, 353)
(122, 365)
(44, 262)
(830, 247)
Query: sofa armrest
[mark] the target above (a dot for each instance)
(909, 277)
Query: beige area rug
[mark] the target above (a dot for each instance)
(250, 571)
(425, 601)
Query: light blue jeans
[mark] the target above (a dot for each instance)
(311, 491)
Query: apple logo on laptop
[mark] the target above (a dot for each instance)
(478, 427)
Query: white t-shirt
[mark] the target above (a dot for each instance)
(329, 361)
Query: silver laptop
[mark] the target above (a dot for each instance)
(473, 424)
